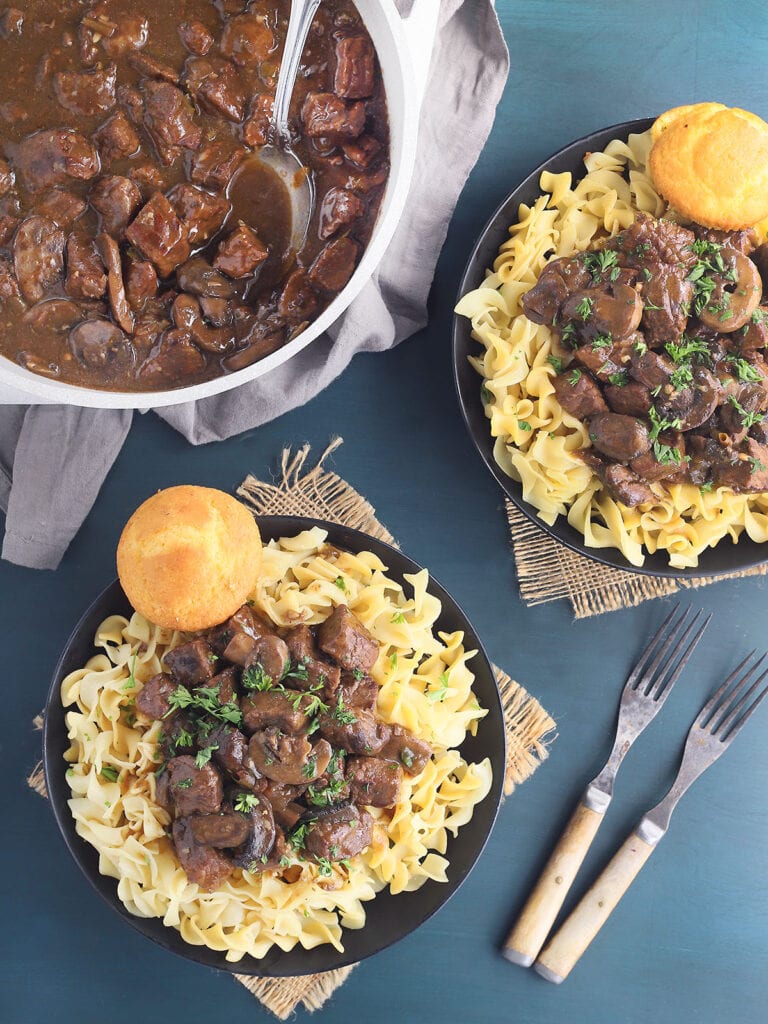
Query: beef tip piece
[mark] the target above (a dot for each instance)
(86, 93)
(298, 301)
(11, 22)
(309, 670)
(51, 157)
(334, 265)
(225, 683)
(10, 296)
(648, 467)
(270, 653)
(7, 177)
(99, 343)
(649, 241)
(194, 790)
(38, 257)
(195, 37)
(411, 752)
(256, 128)
(357, 692)
(223, 92)
(667, 297)
(204, 865)
(362, 152)
(62, 207)
(692, 406)
(579, 395)
(621, 438)
(159, 235)
(201, 213)
(272, 707)
(168, 117)
(340, 209)
(117, 139)
(374, 782)
(301, 643)
(651, 369)
(173, 360)
(192, 663)
(345, 638)
(355, 59)
(746, 471)
(621, 483)
(131, 33)
(232, 755)
(140, 283)
(9, 220)
(240, 253)
(152, 68)
(215, 164)
(361, 733)
(129, 97)
(252, 854)
(342, 832)
(118, 303)
(630, 399)
(247, 39)
(558, 279)
(325, 115)
(116, 200)
(222, 830)
(152, 699)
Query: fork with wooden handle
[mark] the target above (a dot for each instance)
(646, 689)
(716, 726)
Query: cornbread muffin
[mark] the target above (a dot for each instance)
(189, 557)
(710, 163)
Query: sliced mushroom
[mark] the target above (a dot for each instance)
(288, 758)
(187, 316)
(252, 854)
(121, 311)
(732, 304)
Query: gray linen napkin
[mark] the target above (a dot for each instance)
(53, 459)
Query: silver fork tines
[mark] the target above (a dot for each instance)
(649, 684)
(714, 728)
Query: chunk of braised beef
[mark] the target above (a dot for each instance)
(224, 682)
(214, 165)
(152, 68)
(85, 269)
(253, 853)
(38, 256)
(53, 156)
(355, 67)
(194, 790)
(373, 781)
(140, 283)
(130, 32)
(99, 344)
(286, 710)
(648, 241)
(356, 731)
(620, 438)
(298, 301)
(247, 39)
(578, 394)
(195, 37)
(222, 830)
(201, 212)
(231, 754)
(691, 406)
(357, 692)
(651, 368)
(86, 93)
(405, 748)
(334, 265)
(622, 483)
(11, 23)
(744, 470)
(667, 299)
(743, 241)
(223, 92)
(361, 152)
(343, 636)
(754, 336)
(339, 833)
(116, 199)
(257, 125)
(338, 210)
(241, 253)
(326, 115)
(629, 399)
(169, 119)
(159, 235)
(191, 663)
(117, 139)
(153, 698)
(650, 467)
(10, 296)
(61, 206)
(203, 865)
(7, 177)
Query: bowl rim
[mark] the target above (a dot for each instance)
(656, 565)
(22, 383)
(273, 964)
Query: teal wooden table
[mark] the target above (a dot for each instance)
(689, 943)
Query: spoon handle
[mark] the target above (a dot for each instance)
(302, 13)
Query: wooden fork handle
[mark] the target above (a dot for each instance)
(539, 913)
(567, 945)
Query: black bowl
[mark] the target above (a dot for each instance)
(388, 918)
(726, 557)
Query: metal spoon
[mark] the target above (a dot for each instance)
(279, 155)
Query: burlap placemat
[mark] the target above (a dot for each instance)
(321, 494)
(548, 571)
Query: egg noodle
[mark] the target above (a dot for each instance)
(536, 440)
(425, 685)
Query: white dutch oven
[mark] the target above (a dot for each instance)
(403, 47)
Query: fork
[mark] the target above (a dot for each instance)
(647, 687)
(712, 732)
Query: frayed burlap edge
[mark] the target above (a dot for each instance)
(548, 571)
(321, 494)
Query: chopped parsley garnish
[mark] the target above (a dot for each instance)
(707, 487)
(523, 425)
(756, 465)
(205, 699)
(574, 377)
(406, 757)
(651, 306)
(602, 341)
(486, 395)
(285, 861)
(343, 715)
(744, 370)
(183, 738)
(556, 363)
(584, 308)
(245, 802)
(760, 316)
(600, 262)
(682, 377)
(314, 705)
(324, 796)
(358, 674)
(324, 867)
(339, 581)
(748, 419)
(640, 347)
(393, 660)
(255, 678)
(183, 784)
(131, 680)
(204, 756)
(688, 348)
(298, 837)
(299, 670)
(441, 690)
(619, 379)
(309, 771)
(567, 332)
(110, 772)
(398, 618)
